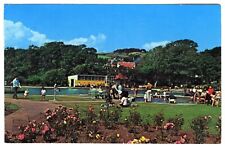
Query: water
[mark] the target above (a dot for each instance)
(62, 91)
(71, 91)
(180, 100)
(83, 91)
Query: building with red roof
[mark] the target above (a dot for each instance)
(130, 65)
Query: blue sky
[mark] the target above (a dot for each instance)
(109, 27)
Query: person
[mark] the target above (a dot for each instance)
(194, 90)
(26, 93)
(15, 85)
(148, 96)
(196, 96)
(210, 90)
(119, 90)
(114, 91)
(209, 95)
(124, 93)
(135, 90)
(216, 99)
(108, 96)
(55, 86)
(100, 93)
(124, 102)
(148, 92)
(149, 86)
(157, 94)
(164, 95)
(145, 97)
(202, 97)
(120, 87)
(55, 91)
(172, 98)
(43, 93)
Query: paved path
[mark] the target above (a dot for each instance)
(28, 110)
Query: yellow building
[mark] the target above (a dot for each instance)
(88, 80)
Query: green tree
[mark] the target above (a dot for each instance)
(173, 64)
(55, 76)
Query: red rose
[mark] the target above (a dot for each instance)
(21, 136)
(177, 142)
(33, 130)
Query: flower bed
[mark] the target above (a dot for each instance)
(65, 125)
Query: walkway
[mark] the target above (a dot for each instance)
(28, 110)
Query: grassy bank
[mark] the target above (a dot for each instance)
(10, 108)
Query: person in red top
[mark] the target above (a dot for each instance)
(209, 94)
(210, 90)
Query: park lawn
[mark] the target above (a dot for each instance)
(104, 56)
(11, 106)
(148, 110)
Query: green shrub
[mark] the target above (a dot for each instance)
(178, 121)
(134, 117)
(110, 116)
(200, 127)
(158, 119)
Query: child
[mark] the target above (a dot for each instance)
(43, 93)
(26, 93)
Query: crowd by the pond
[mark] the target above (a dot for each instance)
(117, 91)
(205, 95)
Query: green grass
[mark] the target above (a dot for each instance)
(104, 57)
(148, 110)
(10, 106)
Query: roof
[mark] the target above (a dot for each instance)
(130, 65)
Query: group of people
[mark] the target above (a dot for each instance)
(164, 94)
(208, 96)
(116, 91)
(16, 85)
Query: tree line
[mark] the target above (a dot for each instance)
(177, 63)
(51, 63)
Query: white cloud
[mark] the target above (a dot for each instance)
(92, 40)
(152, 45)
(77, 41)
(38, 37)
(17, 34)
(16, 30)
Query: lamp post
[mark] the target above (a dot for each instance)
(55, 88)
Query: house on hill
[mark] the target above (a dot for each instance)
(130, 65)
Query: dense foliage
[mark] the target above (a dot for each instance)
(200, 128)
(180, 63)
(174, 64)
(51, 63)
